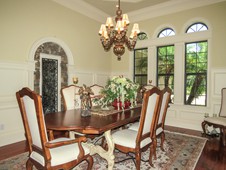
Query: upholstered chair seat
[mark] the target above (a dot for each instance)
(216, 120)
(127, 138)
(135, 127)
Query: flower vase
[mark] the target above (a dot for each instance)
(117, 103)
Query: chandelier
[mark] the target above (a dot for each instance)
(110, 36)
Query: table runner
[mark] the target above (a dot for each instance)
(96, 110)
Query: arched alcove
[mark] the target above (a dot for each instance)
(52, 48)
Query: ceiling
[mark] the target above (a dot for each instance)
(137, 10)
(109, 6)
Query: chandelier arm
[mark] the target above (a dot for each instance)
(130, 44)
(107, 44)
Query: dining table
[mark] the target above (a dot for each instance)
(97, 123)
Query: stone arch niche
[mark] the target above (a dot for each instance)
(52, 100)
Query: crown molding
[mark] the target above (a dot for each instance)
(84, 8)
(162, 9)
(168, 8)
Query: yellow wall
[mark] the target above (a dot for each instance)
(214, 14)
(24, 22)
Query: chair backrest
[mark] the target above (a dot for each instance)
(30, 105)
(96, 90)
(71, 98)
(148, 87)
(149, 114)
(166, 93)
(97, 93)
(223, 103)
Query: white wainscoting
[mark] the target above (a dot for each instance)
(191, 117)
(15, 76)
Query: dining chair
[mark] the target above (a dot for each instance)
(220, 121)
(160, 129)
(71, 100)
(44, 153)
(97, 93)
(166, 93)
(128, 140)
(71, 97)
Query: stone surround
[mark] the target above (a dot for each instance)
(52, 49)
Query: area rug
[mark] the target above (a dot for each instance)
(181, 152)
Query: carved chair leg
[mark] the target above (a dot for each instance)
(138, 160)
(154, 147)
(162, 140)
(150, 154)
(90, 162)
(204, 127)
(29, 165)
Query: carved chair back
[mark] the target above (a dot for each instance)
(71, 97)
(97, 93)
(149, 114)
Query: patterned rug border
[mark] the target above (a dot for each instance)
(199, 137)
(184, 134)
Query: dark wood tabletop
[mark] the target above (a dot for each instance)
(94, 124)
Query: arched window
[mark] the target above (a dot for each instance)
(142, 36)
(166, 32)
(196, 62)
(196, 27)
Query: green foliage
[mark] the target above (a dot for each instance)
(121, 88)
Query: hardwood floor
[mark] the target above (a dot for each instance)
(213, 156)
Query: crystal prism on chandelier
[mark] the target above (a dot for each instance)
(110, 36)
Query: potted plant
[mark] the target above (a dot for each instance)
(119, 91)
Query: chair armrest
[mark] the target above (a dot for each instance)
(68, 142)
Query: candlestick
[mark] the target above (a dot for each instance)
(75, 80)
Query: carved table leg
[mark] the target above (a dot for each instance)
(109, 154)
(205, 128)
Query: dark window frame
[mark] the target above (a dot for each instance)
(190, 74)
(134, 65)
(164, 74)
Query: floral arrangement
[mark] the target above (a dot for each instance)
(120, 89)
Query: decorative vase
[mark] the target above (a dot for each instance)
(117, 104)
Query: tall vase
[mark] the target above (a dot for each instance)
(117, 104)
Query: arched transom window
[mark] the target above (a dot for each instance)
(196, 27)
(166, 32)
